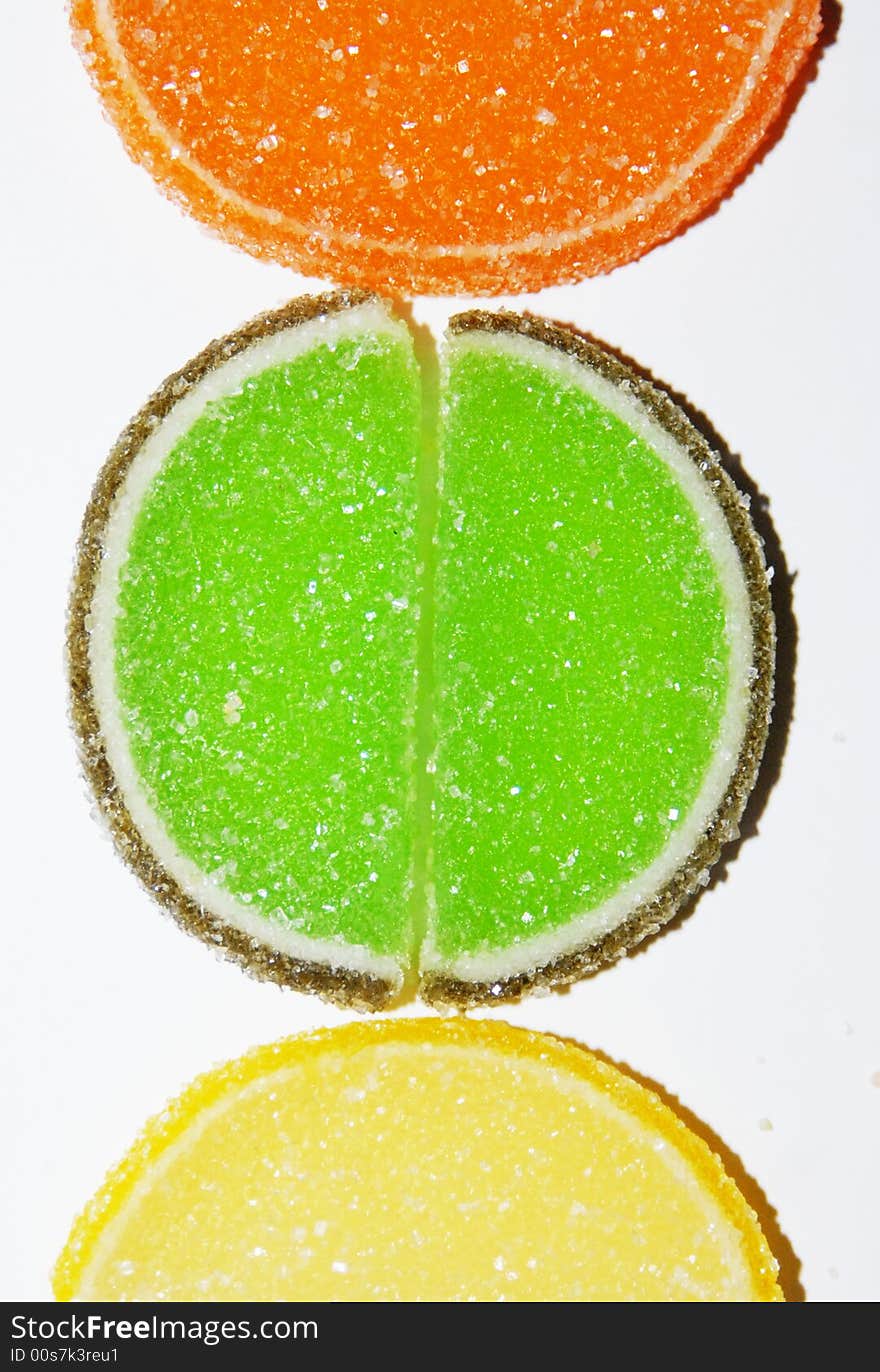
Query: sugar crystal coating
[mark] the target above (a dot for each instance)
(265, 641)
(583, 653)
(418, 1160)
(443, 148)
(354, 710)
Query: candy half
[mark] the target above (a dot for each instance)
(372, 691)
(418, 1160)
(426, 148)
(604, 650)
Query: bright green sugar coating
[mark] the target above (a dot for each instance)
(265, 652)
(581, 656)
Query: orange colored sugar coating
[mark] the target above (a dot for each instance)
(445, 148)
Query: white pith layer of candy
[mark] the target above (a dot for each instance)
(532, 243)
(528, 954)
(225, 379)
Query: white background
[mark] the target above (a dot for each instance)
(758, 1010)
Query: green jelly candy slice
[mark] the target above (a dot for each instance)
(593, 656)
(253, 642)
(353, 712)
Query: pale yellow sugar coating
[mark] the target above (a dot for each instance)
(418, 1160)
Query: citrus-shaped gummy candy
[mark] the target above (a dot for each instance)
(418, 1160)
(443, 148)
(369, 685)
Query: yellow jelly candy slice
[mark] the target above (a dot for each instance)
(418, 1160)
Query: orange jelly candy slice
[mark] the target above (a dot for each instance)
(445, 148)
